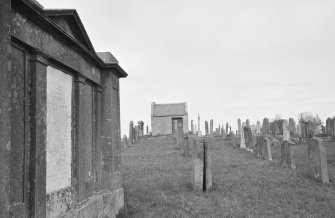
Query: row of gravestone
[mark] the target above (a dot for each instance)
(317, 154)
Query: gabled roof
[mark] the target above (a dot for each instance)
(174, 109)
(69, 21)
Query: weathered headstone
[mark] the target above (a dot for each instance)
(266, 126)
(292, 127)
(202, 165)
(147, 129)
(328, 130)
(317, 157)
(239, 126)
(192, 126)
(298, 133)
(131, 132)
(206, 127)
(136, 133)
(286, 131)
(211, 127)
(232, 139)
(287, 154)
(260, 143)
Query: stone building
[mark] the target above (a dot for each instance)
(166, 117)
(59, 117)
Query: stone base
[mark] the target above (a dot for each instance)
(100, 205)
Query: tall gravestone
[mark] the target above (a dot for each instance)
(328, 126)
(202, 165)
(298, 132)
(286, 131)
(242, 142)
(332, 124)
(206, 127)
(266, 152)
(140, 128)
(266, 126)
(317, 157)
(131, 132)
(292, 127)
(192, 126)
(239, 126)
(147, 129)
(248, 137)
(211, 127)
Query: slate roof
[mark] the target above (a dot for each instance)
(174, 109)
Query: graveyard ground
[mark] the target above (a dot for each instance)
(157, 183)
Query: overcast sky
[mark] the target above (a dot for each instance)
(226, 59)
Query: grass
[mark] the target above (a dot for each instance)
(157, 183)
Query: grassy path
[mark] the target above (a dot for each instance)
(157, 183)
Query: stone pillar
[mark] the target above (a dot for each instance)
(292, 127)
(202, 165)
(131, 132)
(37, 181)
(287, 154)
(286, 131)
(211, 127)
(206, 127)
(192, 126)
(239, 126)
(248, 123)
(317, 157)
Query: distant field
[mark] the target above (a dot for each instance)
(157, 183)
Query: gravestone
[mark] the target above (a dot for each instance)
(328, 131)
(258, 128)
(292, 127)
(248, 123)
(317, 157)
(227, 128)
(286, 131)
(266, 152)
(147, 129)
(332, 127)
(140, 128)
(266, 126)
(232, 139)
(202, 165)
(260, 141)
(248, 137)
(211, 127)
(131, 132)
(195, 129)
(206, 127)
(239, 126)
(222, 131)
(180, 136)
(298, 133)
(192, 126)
(242, 142)
(287, 154)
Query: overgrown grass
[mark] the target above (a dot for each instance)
(157, 183)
